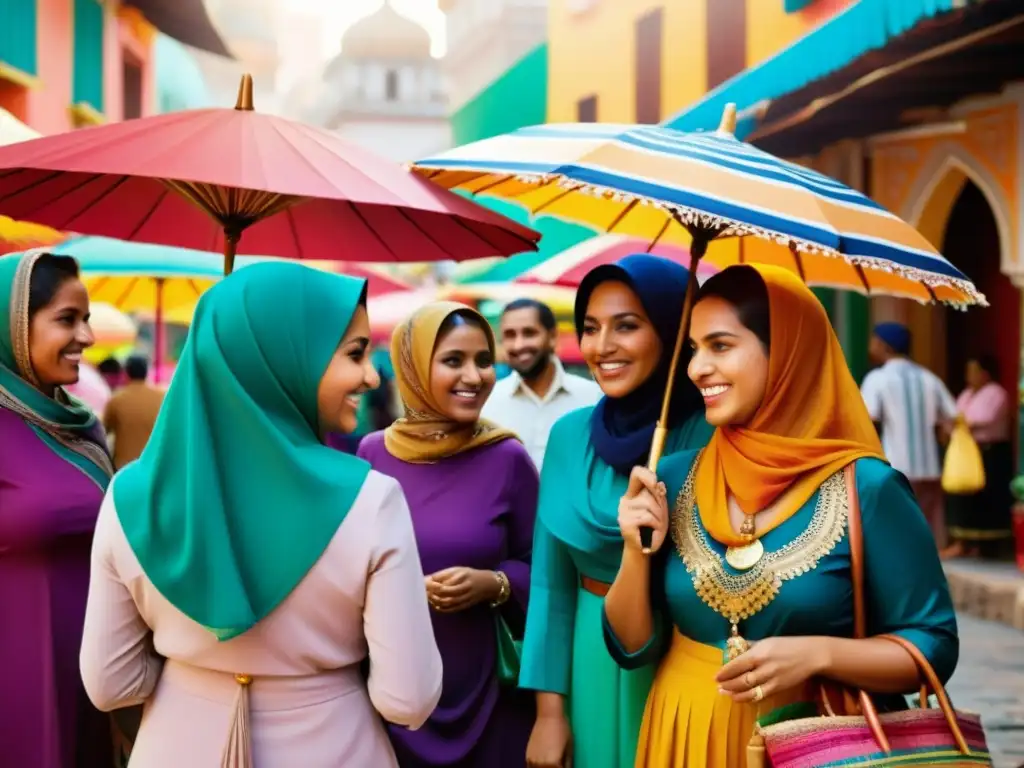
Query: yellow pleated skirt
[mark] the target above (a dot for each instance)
(688, 723)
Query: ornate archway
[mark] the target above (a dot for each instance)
(939, 184)
(961, 209)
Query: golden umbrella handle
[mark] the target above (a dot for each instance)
(698, 247)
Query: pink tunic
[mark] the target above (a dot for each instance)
(311, 704)
(986, 412)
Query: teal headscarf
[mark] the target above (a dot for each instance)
(235, 496)
(68, 427)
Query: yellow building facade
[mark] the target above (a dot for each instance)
(593, 48)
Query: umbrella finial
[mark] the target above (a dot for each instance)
(244, 102)
(728, 124)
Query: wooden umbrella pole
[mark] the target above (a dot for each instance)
(230, 246)
(698, 247)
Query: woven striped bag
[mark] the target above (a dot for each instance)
(923, 736)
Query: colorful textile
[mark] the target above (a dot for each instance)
(917, 737)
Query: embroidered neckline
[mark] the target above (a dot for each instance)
(740, 595)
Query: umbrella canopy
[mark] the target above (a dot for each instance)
(134, 276)
(22, 235)
(110, 326)
(200, 178)
(708, 190)
(569, 267)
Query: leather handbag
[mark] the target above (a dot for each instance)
(849, 729)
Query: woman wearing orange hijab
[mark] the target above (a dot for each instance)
(756, 575)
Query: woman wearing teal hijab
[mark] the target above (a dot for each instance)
(240, 564)
(54, 469)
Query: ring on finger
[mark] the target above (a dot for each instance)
(758, 693)
(749, 680)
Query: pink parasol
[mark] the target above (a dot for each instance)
(201, 178)
(569, 267)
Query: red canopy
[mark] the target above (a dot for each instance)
(200, 178)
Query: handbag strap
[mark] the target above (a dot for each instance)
(931, 680)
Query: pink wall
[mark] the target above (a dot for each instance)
(47, 105)
(46, 108)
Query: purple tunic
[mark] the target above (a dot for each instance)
(477, 510)
(48, 510)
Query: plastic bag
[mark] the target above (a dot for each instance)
(963, 472)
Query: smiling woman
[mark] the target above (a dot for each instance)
(265, 566)
(53, 470)
(58, 308)
(472, 490)
(755, 564)
(627, 315)
(462, 369)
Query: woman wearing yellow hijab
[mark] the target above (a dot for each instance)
(756, 578)
(472, 490)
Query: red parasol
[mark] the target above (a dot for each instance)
(200, 178)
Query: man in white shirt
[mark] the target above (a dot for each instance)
(912, 406)
(538, 391)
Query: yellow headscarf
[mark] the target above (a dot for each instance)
(811, 423)
(425, 433)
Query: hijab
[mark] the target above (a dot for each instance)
(811, 423)
(235, 496)
(621, 429)
(426, 433)
(68, 427)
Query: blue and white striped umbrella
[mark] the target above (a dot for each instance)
(666, 186)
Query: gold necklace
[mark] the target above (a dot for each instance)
(736, 596)
(746, 555)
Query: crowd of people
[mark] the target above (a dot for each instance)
(258, 583)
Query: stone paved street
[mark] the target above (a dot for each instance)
(990, 680)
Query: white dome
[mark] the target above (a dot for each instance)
(385, 34)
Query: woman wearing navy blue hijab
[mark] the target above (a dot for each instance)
(627, 317)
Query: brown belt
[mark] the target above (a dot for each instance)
(594, 587)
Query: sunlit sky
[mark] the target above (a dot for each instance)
(338, 15)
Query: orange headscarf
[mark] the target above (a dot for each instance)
(811, 423)
(425, 433)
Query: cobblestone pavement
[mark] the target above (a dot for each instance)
(990, 680)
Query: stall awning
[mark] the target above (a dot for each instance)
(185, 20)
(849, 36)
(972, 51)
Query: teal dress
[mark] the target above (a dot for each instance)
(905, 587)
(576, 535)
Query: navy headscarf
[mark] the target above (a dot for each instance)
(621, 429)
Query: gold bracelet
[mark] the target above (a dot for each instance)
(504, 589)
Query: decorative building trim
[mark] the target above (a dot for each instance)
(931, 131)
(949, 157)
(19, 77)
(83, 114)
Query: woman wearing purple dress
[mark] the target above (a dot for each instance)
(54, 469)
(472, 490)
